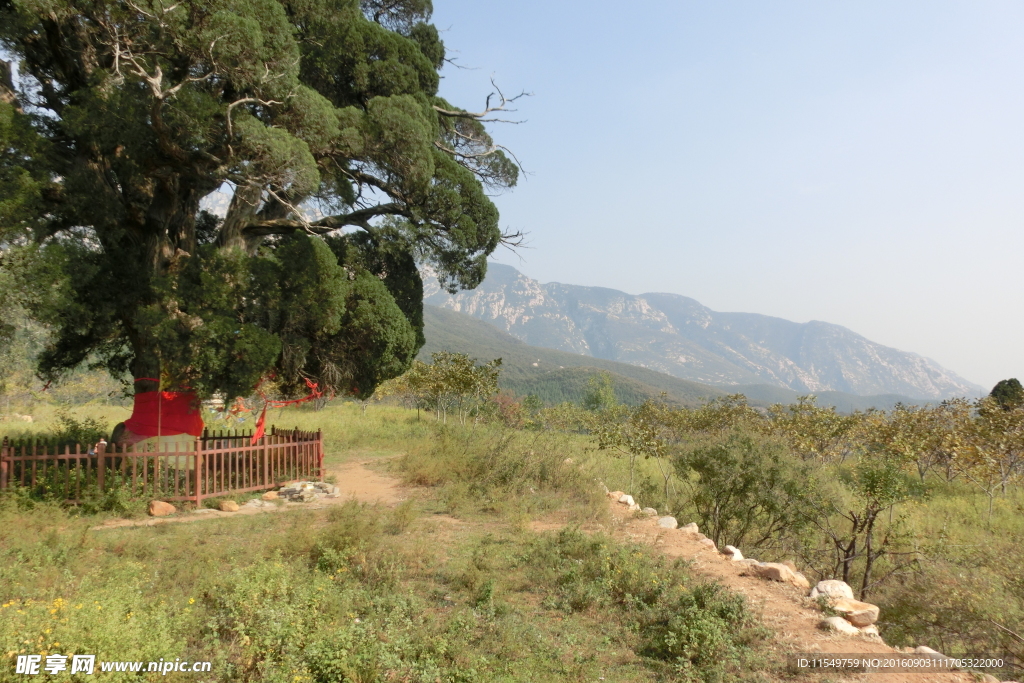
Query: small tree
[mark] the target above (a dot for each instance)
(812, 431)
(453, 382)
(636, 432)
(852, 518)
(1008, 393)
(600, 394)
(746, 488)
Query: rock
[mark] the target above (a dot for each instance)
(627, 500)
(923, 650)
(870, 630)
(856, 612)
(733, 553)
(615, 495)
(228, 506)
(775, 571)
(650, 512)
(840, 625)
(989, 678)
(158, 508)
(832, 588)
(668, 523)
(270, 495)
(335, 491)
(749, 562)
(699, 536)
(708, 543)
(691, 528)
(790, 564)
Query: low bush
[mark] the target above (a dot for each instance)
(494, 470)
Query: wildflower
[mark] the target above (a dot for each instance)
(191, 601)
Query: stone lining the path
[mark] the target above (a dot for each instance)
(855, 618)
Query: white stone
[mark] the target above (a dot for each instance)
(708, 543)
(733, 552)
(627, 500)
(691, 528)
(870, 630)
(775, 571)
(840, 625)
(634, 508)
(832, 588)
(650, 512)
(856, 612)
(668, 523)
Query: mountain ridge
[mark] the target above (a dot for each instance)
(557, 376)
(678, 336)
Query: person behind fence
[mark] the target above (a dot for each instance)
(99, 447)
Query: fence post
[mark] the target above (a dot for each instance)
(199, 468)
(266, 460)
(320, 453)
(3, 464)
(101, 466)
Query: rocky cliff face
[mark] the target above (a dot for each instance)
(677, 335)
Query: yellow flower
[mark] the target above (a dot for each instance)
(191, 601)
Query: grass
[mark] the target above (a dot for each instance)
(362, 593)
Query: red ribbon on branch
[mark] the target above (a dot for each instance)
(314, 393)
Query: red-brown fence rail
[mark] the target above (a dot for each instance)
(215, 464)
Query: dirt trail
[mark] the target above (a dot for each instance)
(785, 609)
(355, 480)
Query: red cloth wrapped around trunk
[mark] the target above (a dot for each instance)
(163, 413)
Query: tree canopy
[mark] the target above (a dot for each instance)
(320, 118)
(1008, 393)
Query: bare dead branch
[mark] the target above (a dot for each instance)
(502, 106)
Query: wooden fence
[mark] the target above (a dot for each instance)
(215, 464)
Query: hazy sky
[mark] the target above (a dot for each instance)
(858, 163)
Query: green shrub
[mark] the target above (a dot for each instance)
(501, 471)
(745, 488)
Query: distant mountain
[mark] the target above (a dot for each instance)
(553, 375)
(676, 335)
(557, 376)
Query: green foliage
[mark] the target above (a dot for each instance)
(701, 632)
(144, 110)
(501, 471)
(600, 393)
(745, 488)
(453, 382)
(1008, 393)
(331, 596)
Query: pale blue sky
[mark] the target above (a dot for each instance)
(859, 163)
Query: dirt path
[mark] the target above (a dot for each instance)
(355, 480)
(785, 609)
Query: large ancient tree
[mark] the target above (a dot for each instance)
(321, 117)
